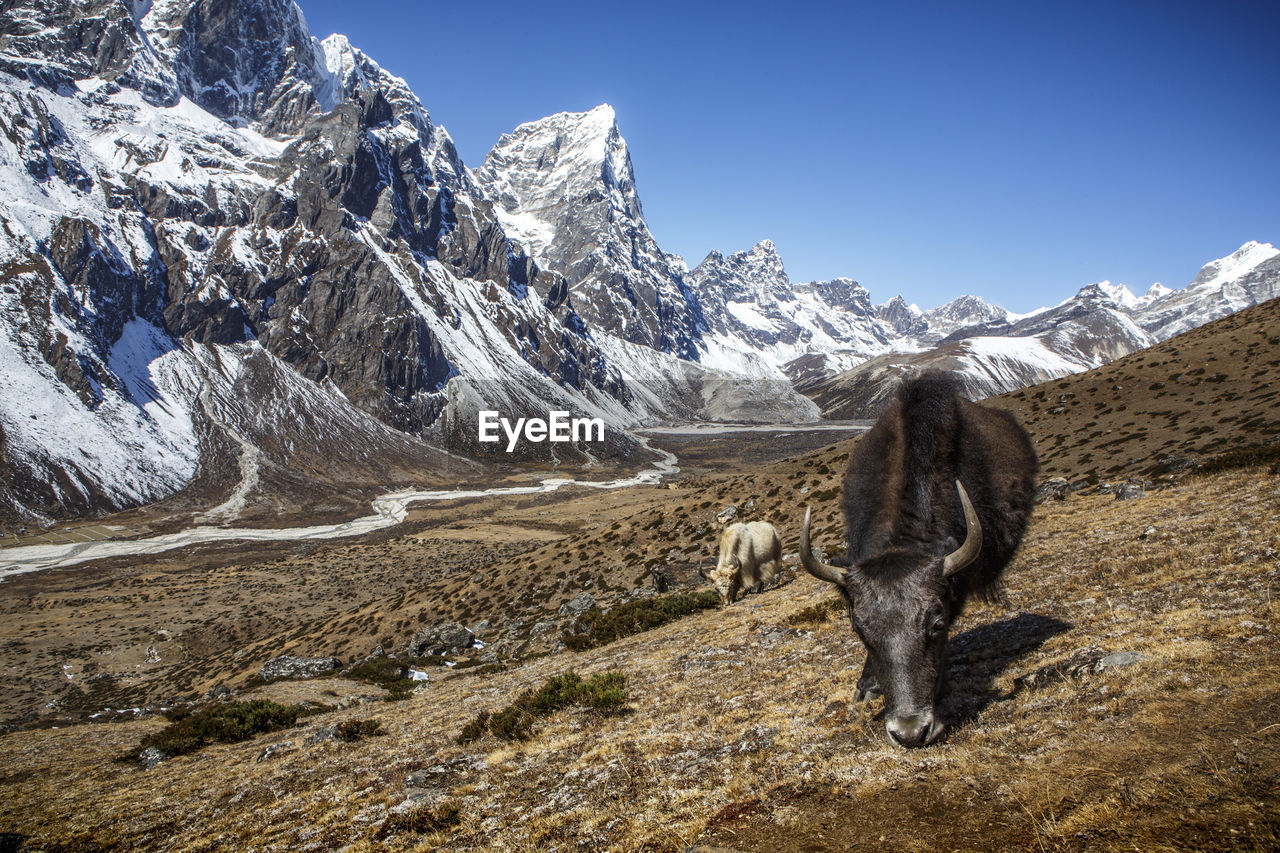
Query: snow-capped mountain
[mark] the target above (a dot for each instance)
(1102, 322)
(211, 178)
(1247, 276)
(756, 316)
(564, 189)
(235, 258)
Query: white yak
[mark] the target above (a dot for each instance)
(750, 556)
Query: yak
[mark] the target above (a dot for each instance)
(750, 556)
(936, 499)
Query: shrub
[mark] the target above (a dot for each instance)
(597, 628)
(1242, 457)
(391, 675)
(441, 816)
(815, 613)
(604, 692)
(232, 722)
(354, 730)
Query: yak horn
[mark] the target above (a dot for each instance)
(821, 571)
(968, 552)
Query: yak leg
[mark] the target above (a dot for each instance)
(868, 684)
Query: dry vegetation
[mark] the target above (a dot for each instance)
(741, 731)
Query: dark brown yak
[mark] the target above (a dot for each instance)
(934, 470)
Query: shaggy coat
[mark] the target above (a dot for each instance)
(750, 556)
(933, 472)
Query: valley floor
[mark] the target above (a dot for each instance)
(742, 731)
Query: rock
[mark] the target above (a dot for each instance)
(727, 514)
(418, 798)
(482, 628)
(276, 749)
(218, 691)
(1176, 464)
(150, 757)
(542, 628)
(579, 604)
(1129, 491)
(1148, 533)
(323, 734)
(1055, 488)
(291, 666)
(440, 638)
(1117, 660)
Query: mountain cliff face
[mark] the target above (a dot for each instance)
(214, 173)
(564, 188)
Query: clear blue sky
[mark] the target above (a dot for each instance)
(1016, 150)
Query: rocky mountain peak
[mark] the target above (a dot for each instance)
(751, 275)
(904, 318)
(564, 189)
(249, 62)
(1233, 266)
(845, 294)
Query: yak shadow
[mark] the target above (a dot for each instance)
(980, 655)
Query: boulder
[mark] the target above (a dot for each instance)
(579, 604)
(292, 666)
(1055, 488)
(727, 514)
(1129, 491)
(150, 757)
(440, 638)
(1116, 660)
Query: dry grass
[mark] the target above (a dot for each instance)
(744, 732)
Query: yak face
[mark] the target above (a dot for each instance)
(727, 578)
(899, 608)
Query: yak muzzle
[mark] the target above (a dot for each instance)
(912, 730)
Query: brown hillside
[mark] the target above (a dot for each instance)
(743, 733)
(1196, 395)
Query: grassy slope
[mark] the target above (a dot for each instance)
(747, 726)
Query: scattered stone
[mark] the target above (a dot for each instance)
(580, 603)
(323, 734)
(750, 504)
(440, 638)
(727, 514)
(1116, 660)
(276, 749)
(1148, 533)
(542, 628)
(1055, 488)
(1176, 464)
(378, 652)
(150, 757)
(218, 691)
(1129, 491)
(482, 628)
(292, 666)
(418, 798)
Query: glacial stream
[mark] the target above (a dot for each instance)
(388, 510)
